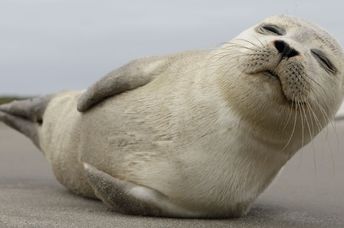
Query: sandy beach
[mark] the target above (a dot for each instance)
(309, 192)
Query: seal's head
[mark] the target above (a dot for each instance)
(285, 75)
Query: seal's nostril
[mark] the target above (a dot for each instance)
(292, 53)
(284, 49)
(280, 45)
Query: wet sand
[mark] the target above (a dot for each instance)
(309, 192)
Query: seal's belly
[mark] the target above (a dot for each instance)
(151, 124)
(126, 130)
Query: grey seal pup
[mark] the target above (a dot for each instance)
(198, 134)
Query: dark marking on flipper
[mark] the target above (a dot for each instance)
(31, 109)
(25, 116)
(129, 198)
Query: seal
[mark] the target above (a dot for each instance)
(198, 134)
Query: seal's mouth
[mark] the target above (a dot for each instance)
(271, 74)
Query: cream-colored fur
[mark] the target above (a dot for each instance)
(209, 131)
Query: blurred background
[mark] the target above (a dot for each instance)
(52, 45)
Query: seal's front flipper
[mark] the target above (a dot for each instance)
(130, 198)
(25, 116)
(135, 74)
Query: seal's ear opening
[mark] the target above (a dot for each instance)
(25, 116)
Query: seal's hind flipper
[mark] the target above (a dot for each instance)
(25, 116)
(24, 126)
(130, 198)
(30, 109)
(135, 74)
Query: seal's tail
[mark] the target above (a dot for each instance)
(25, 116)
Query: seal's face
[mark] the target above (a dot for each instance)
(298, 55)
(285, 67)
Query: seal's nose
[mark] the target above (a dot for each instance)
(284, 49)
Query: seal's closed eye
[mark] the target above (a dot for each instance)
(271, 29)
(324, 61)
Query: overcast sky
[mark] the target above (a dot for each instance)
(52, 45)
